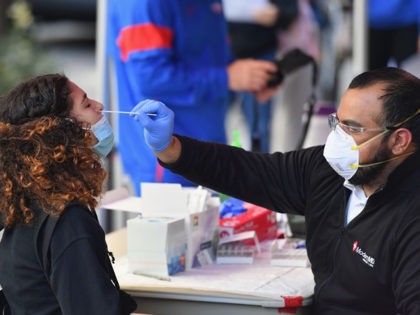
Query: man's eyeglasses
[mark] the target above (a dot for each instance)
(333, 121)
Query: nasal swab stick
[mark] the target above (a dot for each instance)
(127, 113)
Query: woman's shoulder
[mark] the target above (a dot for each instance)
(76, 225)
(77, 221)
(75, 210)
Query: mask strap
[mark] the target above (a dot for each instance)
(407, 119)
(356, 147)
(355, 166)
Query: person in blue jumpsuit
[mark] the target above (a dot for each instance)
(176, 52)
(394, 27)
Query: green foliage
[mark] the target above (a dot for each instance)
(20, 56)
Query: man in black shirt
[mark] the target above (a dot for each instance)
(359, 193)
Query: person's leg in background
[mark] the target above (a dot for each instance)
(258, 117)
(264, 125)
(404, 43)
(379, 48)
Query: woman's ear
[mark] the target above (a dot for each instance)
(401, 141)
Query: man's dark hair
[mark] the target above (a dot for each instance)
(401, 98)
(39, 96)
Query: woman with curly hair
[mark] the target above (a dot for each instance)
(52, 139)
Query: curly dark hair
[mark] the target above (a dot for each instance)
(42, 95)
(46, 163)
(46, 157)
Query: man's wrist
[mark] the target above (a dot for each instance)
(171, 153)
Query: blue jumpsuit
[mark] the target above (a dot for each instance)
(394, 28)
(176, 52)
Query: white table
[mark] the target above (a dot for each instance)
(257, 289)
(222, 289)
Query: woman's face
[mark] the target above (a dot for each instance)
(84, 109)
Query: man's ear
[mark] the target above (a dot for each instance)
(401, 141)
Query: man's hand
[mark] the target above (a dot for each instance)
(266, 94)
(418, 45)
(250, 75)
(267, 15)
(158, 122)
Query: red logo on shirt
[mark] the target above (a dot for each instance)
(366, 258)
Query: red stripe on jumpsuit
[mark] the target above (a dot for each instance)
(142, 37)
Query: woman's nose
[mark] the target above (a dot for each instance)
(99, 106)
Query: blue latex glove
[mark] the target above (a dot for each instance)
(158, 122)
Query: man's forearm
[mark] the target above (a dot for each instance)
(172, 152)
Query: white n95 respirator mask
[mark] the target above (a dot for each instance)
(341, 152)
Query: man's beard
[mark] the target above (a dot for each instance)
(367, 175)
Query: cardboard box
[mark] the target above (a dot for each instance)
(240, 248)
(195, 206)
(202, 235)
(258, 219)
(156, 246)
(288, 252)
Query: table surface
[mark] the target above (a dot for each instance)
(259, 286)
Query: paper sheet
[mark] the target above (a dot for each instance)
(261, 282)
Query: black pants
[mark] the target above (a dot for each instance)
(4, 307)
(398, 44)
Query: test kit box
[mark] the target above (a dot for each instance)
(255, 218)
(289, 252)
(198, 209)
(201, 229)
(156, 246)
(240, 248)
